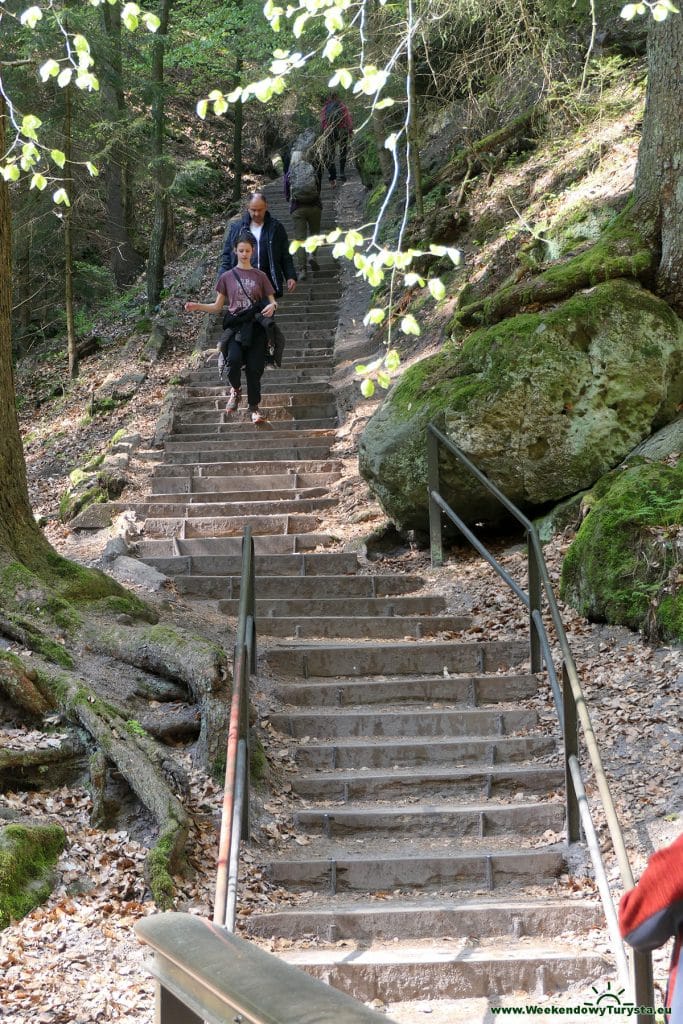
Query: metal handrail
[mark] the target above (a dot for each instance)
(235, 813)
(570, 701)
(206, 974)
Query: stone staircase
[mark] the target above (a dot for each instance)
(427, 791)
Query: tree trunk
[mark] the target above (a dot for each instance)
(160, 168)
(20, 537)
(413, 134)
(125, 260)
(237, 148)
(659, 174)
(71, 347)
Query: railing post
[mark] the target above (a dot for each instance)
(643, 983)
(435, 527)
(535, 592)
(571, 747)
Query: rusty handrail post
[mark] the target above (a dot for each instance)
(571, 749)
(535, 596)
(435, 526)
(235, 813)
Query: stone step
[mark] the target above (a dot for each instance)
(457, 689)
(324, 586)
(405, 752)
(436, 783)
(451, 819)
(212, 547)
(448, 970)
(364, 627)
(425, 870)
(304, 660)
(346, 723)
(349, 607)
(319, 564)
(200, 507)
(279, 379)
(200, 400)
(228, 526)
(247, 486)
(195, 471)
(426, 918)
(207, 453)
(264, 438)
(215, 496)
(195, 388)
(239, 427)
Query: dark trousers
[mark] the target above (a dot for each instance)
(336, 138)
(252, 358)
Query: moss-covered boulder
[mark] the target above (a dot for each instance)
(626, 564)
(28, 854)
(544, 403)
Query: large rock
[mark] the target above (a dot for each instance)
(544, 403)
(626, 563)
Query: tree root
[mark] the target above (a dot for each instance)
(200, 665)
(620, 252)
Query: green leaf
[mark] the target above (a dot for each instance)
(294, 246)
(374, 316)
(437, 288)
(437, 250)
(81, 44)
(392, 360)
(333, 49)
(354, 238)
(220, 106)
(202, 109)
(87, 81)
(334, 20)
(38, 181)
(387, 102)
(233, 96)
(92, 170)
(30, 125)
(390, 142)
(48, 70)
(60, 197)
(455, 256)
(409, 325)
(660, 12)
(372, 82)
(298, 26)
(333, 236)
(367, 388)
(263, 90)
(10, 172)
(361, 368)
(152, 23)
(58, 157)
(341, 77)
(129, 16)
(64, 77)
(384, 380)
(628, 12)
(31, 16)
(413, 278)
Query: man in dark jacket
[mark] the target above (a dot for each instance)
(271, 254)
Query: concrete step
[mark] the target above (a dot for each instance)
(304, 660)
(457, 969)
(211, 547)
(467, 689)
(434, 751)
(325, 586)
(350, 607)
(252, 485)
(208, 453)
(319, 564)
(194, 470)
(435, 783)
(228, 526)
(263, 438)
(378, 871)
(346, 723)
(429, 820)
(338, 918)
(215, 496)
(364, 627)
(200, 508)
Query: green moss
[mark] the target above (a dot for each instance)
(159, 868)
(258, 762)
(618, 567)
(118, 435)
(134, 728)
(127, 604)
(28, 853)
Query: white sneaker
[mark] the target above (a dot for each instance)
(233, 400)
(257, 416)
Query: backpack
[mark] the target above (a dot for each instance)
(303, 182)
(334, 115)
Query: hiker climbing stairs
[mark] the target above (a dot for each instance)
(426, 786)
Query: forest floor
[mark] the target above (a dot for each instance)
(75, 960)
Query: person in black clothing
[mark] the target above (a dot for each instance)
(271, 254)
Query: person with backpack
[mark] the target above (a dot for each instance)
(302, 188)
(337, 129)
(271, 252)
(248, 294)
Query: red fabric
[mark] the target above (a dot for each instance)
(652, 912)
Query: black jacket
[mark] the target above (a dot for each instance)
(275, 259)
